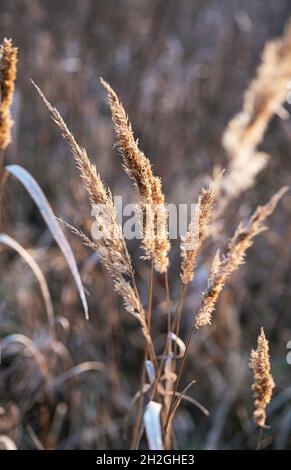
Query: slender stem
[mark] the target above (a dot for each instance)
(138, 424)
(138, 420)
(3, 178)
(260, 438)
(146, 332)
(134, 284)
(150, 296)
(168, 348)
(177, 383)
(2, 156)
(168, 300)
(178, 316)
(150, 348)
(168, 343)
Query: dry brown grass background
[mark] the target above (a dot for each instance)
(180, 70)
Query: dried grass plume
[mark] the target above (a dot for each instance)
(197, 232)
(155, 215)
(263, 380)
(223, 267)
(263, 98)
(8, 65)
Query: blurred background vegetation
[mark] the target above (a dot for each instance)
(180, 69)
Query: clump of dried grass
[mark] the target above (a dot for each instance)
(263, 380)
(113, 251)
(8, 64)
(111, 247)
(241, 139)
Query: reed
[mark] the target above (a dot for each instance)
(223, 267)
(111, 247)
(263, 380)
(263, 99)
(197, 231)
(155, 215)
(8, 67)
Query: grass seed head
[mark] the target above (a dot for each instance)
(263, 380)
(155, 226)
(197, 231)
(8, 67)
(223, 267)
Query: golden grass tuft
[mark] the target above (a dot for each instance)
(263, 380)
(155, 215)
(197, 231)
(234, 257)
(8, 67)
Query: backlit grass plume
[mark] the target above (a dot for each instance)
(234, 257)
(263, 99)
(197, 231)
(8, 65)
(263, 380)
(99, 195)
(155, 215)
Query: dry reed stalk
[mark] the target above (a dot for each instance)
(112, 247)
(139, 412)
(263, 380)
(155, 215)
(8, 65)
(262, 100)
(223, 267)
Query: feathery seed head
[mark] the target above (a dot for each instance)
(98, 194)
(191, 243)
(8, 66)
(263, 380)
(263, 98)
(135, 163)
(223, 267)
(155, 226)
(113, 245)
